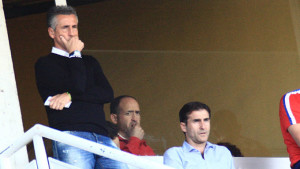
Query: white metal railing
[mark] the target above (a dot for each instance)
(38, 131)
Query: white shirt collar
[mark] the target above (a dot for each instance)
(60, 52)
(122, 136)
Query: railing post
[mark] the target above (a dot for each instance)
(40, 153)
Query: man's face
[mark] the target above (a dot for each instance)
(197, 128)
(129, 115)
(67, 26)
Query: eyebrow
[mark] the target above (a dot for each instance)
(196, 120)
(66, 26)
(132, 111)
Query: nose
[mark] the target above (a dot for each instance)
(133, 117)
(201, 125)
(71, 31)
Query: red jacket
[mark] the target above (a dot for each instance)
(136, 146)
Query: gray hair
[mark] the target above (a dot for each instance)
(58, 10)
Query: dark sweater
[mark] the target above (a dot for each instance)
(84, 80)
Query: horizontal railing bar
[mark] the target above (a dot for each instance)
(81, 143)
(20, 142)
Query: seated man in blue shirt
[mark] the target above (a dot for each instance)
(196, 152)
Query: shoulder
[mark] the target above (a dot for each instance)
(44, 60)
(88, 57)
(291, 99)
(220, 147)
(222, 150)
(173, 151)
(173, 157)
(292, 94)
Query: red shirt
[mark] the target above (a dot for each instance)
(136, 146)
(289, 113)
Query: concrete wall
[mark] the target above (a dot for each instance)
(237, 56)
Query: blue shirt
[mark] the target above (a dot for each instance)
(187, 157)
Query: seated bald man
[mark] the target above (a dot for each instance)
(125, 112)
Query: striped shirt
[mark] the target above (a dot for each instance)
(289, 113)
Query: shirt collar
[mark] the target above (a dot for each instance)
(60, 52)
(188, 148)
(121, 136)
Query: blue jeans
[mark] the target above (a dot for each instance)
(84, 159)
(297, 165)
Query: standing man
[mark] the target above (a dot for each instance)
(66, 77)
(125, 112)
(196, 152)
(289, 114)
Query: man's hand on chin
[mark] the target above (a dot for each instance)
(74, 43)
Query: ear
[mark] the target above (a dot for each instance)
(114, 118)
(51, 32)
(183, 127)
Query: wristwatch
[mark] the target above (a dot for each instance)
(75, 53)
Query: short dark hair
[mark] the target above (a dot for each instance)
(114, 105)
(58, 10)
(189, 107)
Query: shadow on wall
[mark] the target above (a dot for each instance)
(226, 128)
(158, 144)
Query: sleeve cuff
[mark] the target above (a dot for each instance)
(75, 53)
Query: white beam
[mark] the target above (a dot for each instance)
(60, 2)
(11, 126)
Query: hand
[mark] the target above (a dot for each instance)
(59, 101)
(72, 44)
(137, 131)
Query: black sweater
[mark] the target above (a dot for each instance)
(84, 80)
